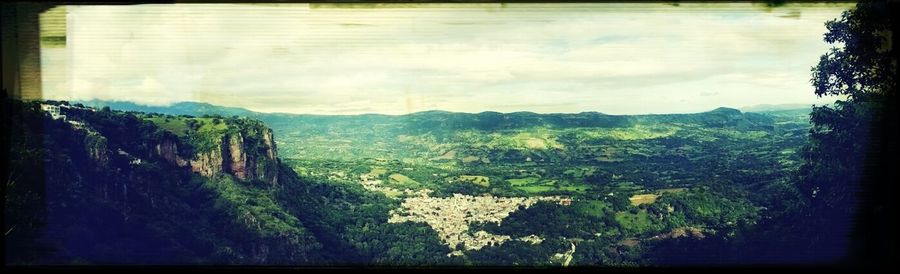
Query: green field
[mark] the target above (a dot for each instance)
(637, 223)
(594, 208)
(522, 181)
(402, 180)
(536, 188)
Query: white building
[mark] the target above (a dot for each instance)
(53, 111)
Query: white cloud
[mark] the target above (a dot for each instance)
(614, 58)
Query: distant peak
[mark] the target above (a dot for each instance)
(726, 110)
(433, 111)
(490, 113)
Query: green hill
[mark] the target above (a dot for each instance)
(112, 192)
(201, 184)
(110, 187)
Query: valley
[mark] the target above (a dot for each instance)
(449, 135)
(442, 188)
(626, 180)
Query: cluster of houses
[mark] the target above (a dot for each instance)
(56, 111)
(564, 258)
(450, 217)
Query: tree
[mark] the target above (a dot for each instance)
(847, 140)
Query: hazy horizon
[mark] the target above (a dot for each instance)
(752, 108)
(542, 58)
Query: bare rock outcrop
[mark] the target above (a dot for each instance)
(247, 153)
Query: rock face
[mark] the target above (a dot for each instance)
(168, 150)
(96, 147)
(248, 153)
(208, 164)
(237, 157)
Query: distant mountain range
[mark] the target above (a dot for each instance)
(488, 120)
(281, 189)
(180, 108)
(200, 108)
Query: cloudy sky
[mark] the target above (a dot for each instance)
(611, 58)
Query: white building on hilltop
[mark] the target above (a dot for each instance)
(53, 111)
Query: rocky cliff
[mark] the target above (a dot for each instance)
(248, 154)
(244, 149)
(168, 150)
(96, 147)
(107, 187)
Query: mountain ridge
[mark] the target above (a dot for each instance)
(197, 108)
(133, 189)
(286, 126)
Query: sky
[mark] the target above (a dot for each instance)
(545, 58)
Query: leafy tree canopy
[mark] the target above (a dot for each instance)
(847, 139)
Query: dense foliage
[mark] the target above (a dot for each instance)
(76, 194)
(121, 183)
(850, 142)
(319, 213)
(841, 195)
(719, 187)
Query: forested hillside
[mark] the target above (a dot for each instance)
(568, 189)
(118, 183)
(136, 188)
(107, 187)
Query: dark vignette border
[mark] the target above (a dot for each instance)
(875, 231)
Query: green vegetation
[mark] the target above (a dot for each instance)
(341, 180)
(478, 180)
(401, 180)
(177, 125)
(595, 208)
(107, 197)
(637, 132)
(523, 181)
(694, 171)
(637, 223)
(139, 187)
